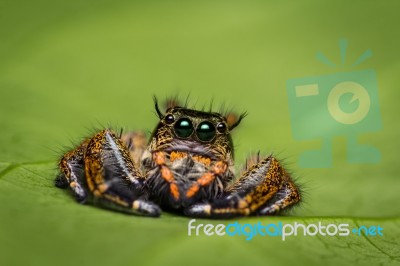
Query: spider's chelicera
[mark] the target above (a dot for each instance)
(186, 166)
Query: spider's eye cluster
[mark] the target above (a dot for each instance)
(205, 130)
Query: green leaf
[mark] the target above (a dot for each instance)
(68, 68)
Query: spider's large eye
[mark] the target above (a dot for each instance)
(169, 119)
(183, 127)
(205, 131)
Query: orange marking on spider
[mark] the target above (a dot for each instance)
(102, 188)
(166, 174)
(220, 167)
(176, 155)
(206, 179)
(116, 200)
(204, 160)
(192, 190)
(159, 158)
(174, 190)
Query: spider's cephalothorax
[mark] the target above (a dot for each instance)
(187, 166)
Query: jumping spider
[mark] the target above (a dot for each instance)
(186, 166)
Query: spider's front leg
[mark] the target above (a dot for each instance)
(101, 170)
(263, 189)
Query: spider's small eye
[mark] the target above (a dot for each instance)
(221, 127)
(205, 131)
(183, 127)
(169, 119)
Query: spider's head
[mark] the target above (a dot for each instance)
(193, 131)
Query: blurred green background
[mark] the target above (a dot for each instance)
(67, 67)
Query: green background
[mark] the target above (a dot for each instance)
(67, 67)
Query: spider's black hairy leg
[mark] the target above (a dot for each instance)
(61, 181)
(263, 189)
(72, 172)
(284, 198)
(110, 178)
